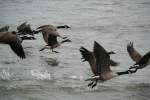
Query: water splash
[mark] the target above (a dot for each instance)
(5, 74)
(42, 75)
(76, 77)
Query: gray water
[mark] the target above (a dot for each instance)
(50, 76)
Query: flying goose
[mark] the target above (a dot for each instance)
(4, 29)
(50, 37)
(140, 61)
(99, 61)
(12, 39)
(25, 29)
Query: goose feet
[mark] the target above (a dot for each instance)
(93, 83)
(55, 51)
(134, 66)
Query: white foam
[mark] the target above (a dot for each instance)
(42, 75)
(5, 74)
(77, 77)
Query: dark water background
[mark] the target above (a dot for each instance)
(49, 76)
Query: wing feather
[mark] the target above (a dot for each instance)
(16, 46)
(102, 59)
(134, 54)
(88, 56)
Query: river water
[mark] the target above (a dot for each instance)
(60, 76)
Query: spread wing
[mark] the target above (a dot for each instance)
(20, 27)
(88, 56)
(145, 60)
(16, 46)
(102, 59)
(52, 40)
(135, 55)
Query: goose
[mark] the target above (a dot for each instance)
(99, 61)
(140, 61)
(50, 37)
(4, 29)
(25, 29)
(12, 39)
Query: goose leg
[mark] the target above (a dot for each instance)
(43, 49)
(134, 66)
(90, 84)
(94, 83)
(55, 51)
(132, 71)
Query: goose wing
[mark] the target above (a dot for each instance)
(145, 60)
(22, 26)
(27, 29)
(102, 59)
(88, 56)
(135, 55)
(15, 45)
(4, 29)
(52, 40)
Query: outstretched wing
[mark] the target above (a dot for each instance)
(145, 60)
(52, 40)
(88, 56)
(20, 27)
(102, 59)
(135, 55)
(16, 46)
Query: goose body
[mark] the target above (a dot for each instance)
(12, 39)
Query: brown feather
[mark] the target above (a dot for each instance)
(134, 54)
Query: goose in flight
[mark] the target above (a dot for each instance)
(25, 29)
(99, 61)
(141, 61)
(12, 39)
(50, 37)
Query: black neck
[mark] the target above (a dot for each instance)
(127, 72)
(64, 41)
(67, 40)
(111, 52)
(61, 27)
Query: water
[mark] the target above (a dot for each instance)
(49, 76)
